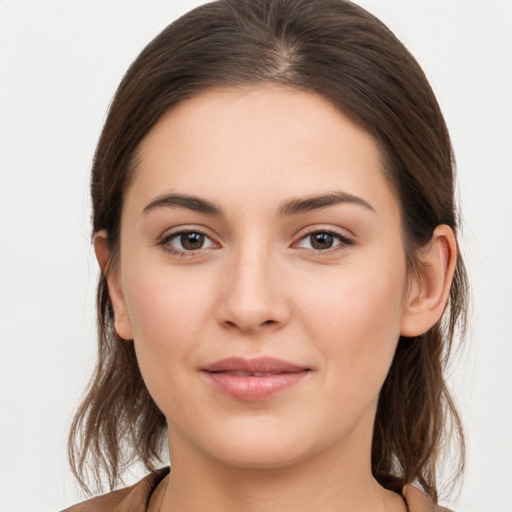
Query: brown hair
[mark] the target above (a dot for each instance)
(345, 54)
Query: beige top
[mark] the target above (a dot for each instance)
(136, 498)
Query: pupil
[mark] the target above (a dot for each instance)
(322, 241)
(192, 241)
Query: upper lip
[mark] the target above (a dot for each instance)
(268, 365)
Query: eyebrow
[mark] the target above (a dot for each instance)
(291, 207)
(193, 203)
(307, 204)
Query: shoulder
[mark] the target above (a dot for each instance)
(418, 502)
(134, 498)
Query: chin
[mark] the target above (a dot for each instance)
(256, 444)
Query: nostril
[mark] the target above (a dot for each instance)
(230, 324)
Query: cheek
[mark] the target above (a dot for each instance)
(355, 321)
(164, 301)
(164, 313)
(167, 312)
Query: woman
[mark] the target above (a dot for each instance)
(275, 224)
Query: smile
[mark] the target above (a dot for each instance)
(253, 379)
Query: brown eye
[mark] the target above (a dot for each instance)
(321, 241)
(192, 241)
(183, 242)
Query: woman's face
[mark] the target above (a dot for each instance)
(262, 276)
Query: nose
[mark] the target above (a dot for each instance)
(253, 293)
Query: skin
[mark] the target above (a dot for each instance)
(259, 287)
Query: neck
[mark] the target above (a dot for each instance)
(333, 481)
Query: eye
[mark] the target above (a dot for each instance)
(323, 241)
(182, 242)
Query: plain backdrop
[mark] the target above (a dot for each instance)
(60, 62)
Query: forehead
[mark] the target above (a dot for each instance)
(263, 141)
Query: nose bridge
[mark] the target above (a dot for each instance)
(252, 293)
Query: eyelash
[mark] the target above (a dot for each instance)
(164, 242)
(343, 240)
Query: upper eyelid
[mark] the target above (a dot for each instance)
(343, 239)
(179, 230)
(163, 243)
(341, 232)
(305, 232)
(205, 231)
(329, 228)
(175, 234)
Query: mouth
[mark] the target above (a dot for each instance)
(253, 379)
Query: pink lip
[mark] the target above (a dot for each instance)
(253, 379)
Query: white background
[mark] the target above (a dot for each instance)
(60, 62)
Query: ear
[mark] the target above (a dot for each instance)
(121, 319)
(428, 294)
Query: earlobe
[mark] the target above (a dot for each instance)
(429, 294)
(121, 319)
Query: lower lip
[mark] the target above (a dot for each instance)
(253, 388)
